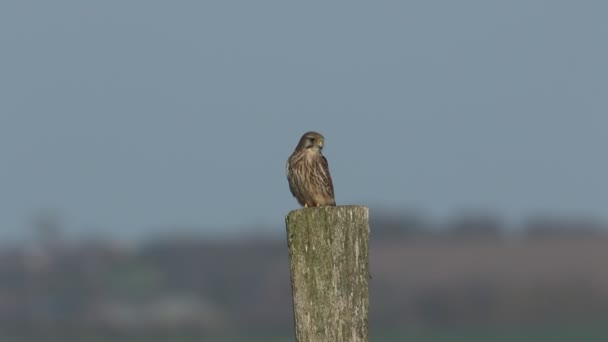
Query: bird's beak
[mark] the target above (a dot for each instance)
(320, 144)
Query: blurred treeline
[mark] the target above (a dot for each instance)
(470, 270)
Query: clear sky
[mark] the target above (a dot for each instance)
(133, 116)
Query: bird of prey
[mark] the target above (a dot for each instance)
(308, 173)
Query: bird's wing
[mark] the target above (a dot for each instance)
(328, 185)
(290, 180)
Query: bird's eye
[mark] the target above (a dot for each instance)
(311, 139)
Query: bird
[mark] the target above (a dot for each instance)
(308, 173)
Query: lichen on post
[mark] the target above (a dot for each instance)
(328, 258)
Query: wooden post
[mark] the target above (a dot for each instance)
(328, 258)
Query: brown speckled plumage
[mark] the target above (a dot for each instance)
(308, 173)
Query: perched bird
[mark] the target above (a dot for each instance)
(308, 173)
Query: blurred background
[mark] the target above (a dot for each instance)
(143, 148)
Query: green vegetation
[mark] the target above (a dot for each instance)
(546, 334)
(583, 333)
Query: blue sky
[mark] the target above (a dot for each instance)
(133, 117)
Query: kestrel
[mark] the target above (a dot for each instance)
(308, 173)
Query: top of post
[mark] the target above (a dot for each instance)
(355, 210)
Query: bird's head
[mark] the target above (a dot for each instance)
(311, 140)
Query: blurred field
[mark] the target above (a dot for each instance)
(469, 280)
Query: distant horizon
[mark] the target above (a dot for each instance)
(261, 230)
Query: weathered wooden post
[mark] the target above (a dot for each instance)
(328, 258)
